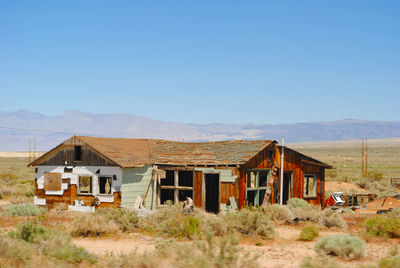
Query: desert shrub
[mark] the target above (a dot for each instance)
(126, 220)
(330, 218)
(183, 226)
(342, 245)
(278, 212)
(16, 251)
(41, 241)
(89, 224)
(394, 214)
(250, 222)
(308, 214)
(308, 233)
(29, 232)
(73, 254)
(24, 210)
(383, 226)
(298, 203)
(133, 260)
(319, 262)
(374, 175)
(214, 224)
(207, 253)
(393, 262)
(347, 210)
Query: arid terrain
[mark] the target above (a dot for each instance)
(265, 237)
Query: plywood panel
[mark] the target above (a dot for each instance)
(52, 181)
(229, 189)
(197, 187)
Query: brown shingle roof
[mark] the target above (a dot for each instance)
(139, 152)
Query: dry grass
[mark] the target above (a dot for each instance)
(345, 157)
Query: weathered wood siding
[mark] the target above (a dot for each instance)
(292, 162)
(64, 155)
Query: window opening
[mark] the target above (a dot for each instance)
(176, 186)
(256, 186)
(105, 185)
(310, 185)
(85, 185)
(78, 153)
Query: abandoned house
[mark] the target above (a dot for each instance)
(83, 173)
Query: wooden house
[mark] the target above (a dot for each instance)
(83, 173)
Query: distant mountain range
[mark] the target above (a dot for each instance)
(17, 128)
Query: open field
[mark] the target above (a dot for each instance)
(345, 157)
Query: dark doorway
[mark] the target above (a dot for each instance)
(212, 193)
(287, 186)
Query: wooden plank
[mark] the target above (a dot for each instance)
(197, 187)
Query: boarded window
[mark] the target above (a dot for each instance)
(105, 183)
(52, 181)
(85, 185)
(256, 186)
(310, 185)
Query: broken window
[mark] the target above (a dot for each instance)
(310, 185)
(68, 170)
(78, 153)
(85, 185)
(105, 185)
(176, 186)
(256, 186)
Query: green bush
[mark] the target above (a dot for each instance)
(393, 262)
(330, 218)
(342, 245)
(308, 233)
(278, 212)
(383, 226)
(24, 210)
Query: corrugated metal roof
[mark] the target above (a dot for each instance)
(139, 152)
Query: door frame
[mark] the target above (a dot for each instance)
(290, 190)
(203, 192)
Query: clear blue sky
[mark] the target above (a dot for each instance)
(203, 61)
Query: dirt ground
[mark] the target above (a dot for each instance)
(284, 251)
(340, 186)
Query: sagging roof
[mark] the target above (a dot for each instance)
(139, 152)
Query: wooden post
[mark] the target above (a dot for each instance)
(362, 157)
(176, 182)
(281, 180)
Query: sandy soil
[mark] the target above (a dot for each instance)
(284, 251)
(339, 186)
(133, 242)
(4, 202)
